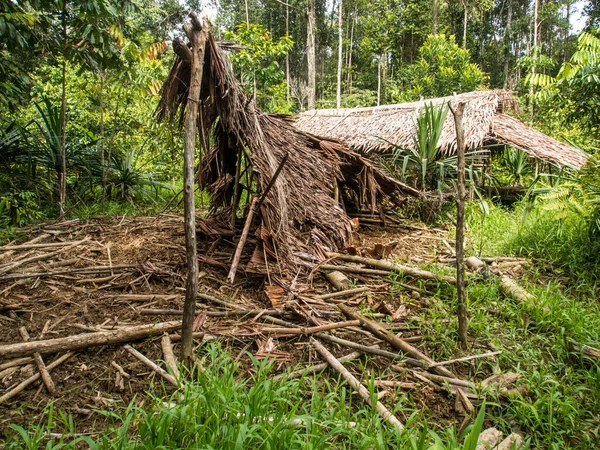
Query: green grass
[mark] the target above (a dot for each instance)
(562, 406)
(227, 409)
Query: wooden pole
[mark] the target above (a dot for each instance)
(85, 340)
(457, 111)
(197, 35)
(243, 237)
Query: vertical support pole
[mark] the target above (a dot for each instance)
(457, 111)
(197, 35)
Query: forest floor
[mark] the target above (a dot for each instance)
(146, 285)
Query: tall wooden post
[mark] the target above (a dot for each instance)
(196, 32)
(457, 111)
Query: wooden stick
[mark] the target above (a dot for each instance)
(349, 269)
(32, 246)
(32, 379)
(15, 362)
(393, 267)
(45, 256)
(272, 181)
(39, 362)
(585, 350)
(395, 341)
(213, 299)
(86, 340)
(466, 358)
(197, 34)
(162, 372)
(371, 350)
(41, 237)
(242, 242)
(356, 385)
(167, 349)
(311, 330)
(316, 367)
(178, 312)
(344, 293)
(438, 378)
(82, 270)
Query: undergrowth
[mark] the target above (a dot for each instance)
(221, 409)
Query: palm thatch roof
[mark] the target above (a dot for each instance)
(379, 129)
(299, 214)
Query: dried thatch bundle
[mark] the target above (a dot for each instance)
(379, 129)
(299, 214)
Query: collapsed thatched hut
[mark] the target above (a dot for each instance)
(379, 129)
(304, 212)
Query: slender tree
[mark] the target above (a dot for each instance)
(310, 55)
(340, 50)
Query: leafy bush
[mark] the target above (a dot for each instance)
(442, 68)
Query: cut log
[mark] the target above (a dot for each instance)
(86, 340)
(338, 280)
(508, 286)
(394, 267)
(513, 442)
(395, 341)
(356, 385)
(168, 355)
(489, 439)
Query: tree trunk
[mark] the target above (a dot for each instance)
(457, 111)
(340, 49)
(62, 177)
(534, 49)
(435, 17)
(102, 138)
(197, 35)
(379, 82)
(465, 24)
(507, 44)
(310, 54)
(287, 56)
(350, 51)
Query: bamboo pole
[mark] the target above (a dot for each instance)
(197, 35)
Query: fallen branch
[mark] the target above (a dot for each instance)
(15, 362)
(86, 340)
(242, 241)
(337, 279)
(21, 386)
(41, 366)
(395, 341)
(585, 350)
(43, 257)
(82, 270)
(343, 293)
(394, 267)
(311, 330)
(168, 355)
(356, 385)
(32, 246)
(162, 372)
(466, 358)
(372, 350)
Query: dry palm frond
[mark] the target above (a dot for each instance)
(381, 129)
(301, 202)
